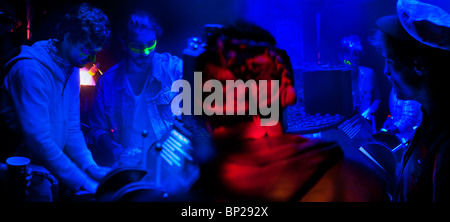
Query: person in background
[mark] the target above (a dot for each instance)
(415, 43)
(131, 108)
(255, 162)
(366, 96)
(40, 101)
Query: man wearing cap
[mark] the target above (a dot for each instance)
(416, 44)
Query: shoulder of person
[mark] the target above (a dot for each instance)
(168, 61)
(170, 65)
(28, 68)
(166, 56)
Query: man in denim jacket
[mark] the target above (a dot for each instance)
(131, 109)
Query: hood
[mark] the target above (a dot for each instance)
(281, 168)
(38, 51)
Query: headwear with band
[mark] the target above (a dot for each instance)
(426, 21)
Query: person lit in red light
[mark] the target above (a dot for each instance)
(261, 162)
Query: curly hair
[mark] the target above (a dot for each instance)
(85, 23)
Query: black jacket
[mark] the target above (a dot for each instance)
(425, 175)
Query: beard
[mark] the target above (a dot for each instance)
(141, 62)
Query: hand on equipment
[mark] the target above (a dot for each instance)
(90, 186)
(97, 172)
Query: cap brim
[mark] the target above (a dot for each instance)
(391, 25)
(427, 23)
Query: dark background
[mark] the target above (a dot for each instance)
(302, 27)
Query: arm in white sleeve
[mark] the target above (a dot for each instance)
(30, 93)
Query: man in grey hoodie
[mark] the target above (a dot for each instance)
(40, 102)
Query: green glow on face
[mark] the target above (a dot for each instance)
(139, 50)
(347, 62)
